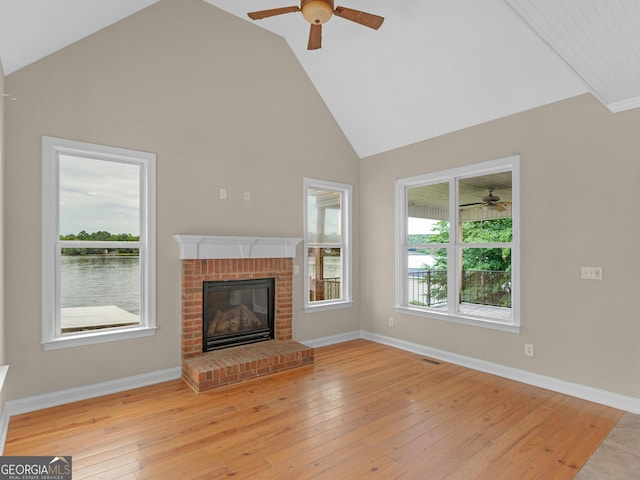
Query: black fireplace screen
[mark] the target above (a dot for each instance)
(237, 312)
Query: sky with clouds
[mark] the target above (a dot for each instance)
(98, 195)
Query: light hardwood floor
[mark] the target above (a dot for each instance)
(364, 410)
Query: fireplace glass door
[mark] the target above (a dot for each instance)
(237, 312)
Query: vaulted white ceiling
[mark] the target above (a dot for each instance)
(433, 67)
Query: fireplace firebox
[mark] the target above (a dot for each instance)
(237, 312)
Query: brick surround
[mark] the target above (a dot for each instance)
(221, 367)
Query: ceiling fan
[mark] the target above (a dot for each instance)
(489, 202)
(317, 12)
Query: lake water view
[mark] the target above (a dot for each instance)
(100, 280)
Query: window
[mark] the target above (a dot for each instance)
(327, 244)
(98, 243)
(457, 245)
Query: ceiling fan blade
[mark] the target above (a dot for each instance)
(500, 207)
(315, 37)
(270, 13)
(363, 18)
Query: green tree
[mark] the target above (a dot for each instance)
(101, 236)
(494, 230)
(479, 263)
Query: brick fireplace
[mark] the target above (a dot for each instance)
(208, 259)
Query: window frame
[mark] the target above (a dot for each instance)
(452, 176)
(52, 148)
(346, 192)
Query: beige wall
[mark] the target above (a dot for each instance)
(2, 204)
(222, 104)
(580, 196)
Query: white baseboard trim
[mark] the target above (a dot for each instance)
(604, 397)
(333, 339)
(61, 397)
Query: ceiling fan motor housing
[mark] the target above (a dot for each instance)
(491, 198)
(317, 12)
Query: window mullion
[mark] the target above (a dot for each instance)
(325, 245)
(487, 245)
(97, 244)
(453, 252)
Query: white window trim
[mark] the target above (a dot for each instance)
(402, 185)
(346, 257)
(52, 148)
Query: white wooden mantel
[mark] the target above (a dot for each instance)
(208, 247)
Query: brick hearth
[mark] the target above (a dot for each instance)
(235, 364)
(208, 370)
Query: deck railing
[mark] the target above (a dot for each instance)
(326, 289)
(482, 287)
(429, 288)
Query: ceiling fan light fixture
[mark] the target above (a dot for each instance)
(317, 12)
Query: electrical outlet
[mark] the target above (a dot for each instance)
(247, 196)
(223, 194)
(391, 321)
(528, 349)
(296, 269)
(591, 273)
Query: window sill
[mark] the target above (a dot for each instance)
(461, 319)
(90, 338)
(327, 306)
